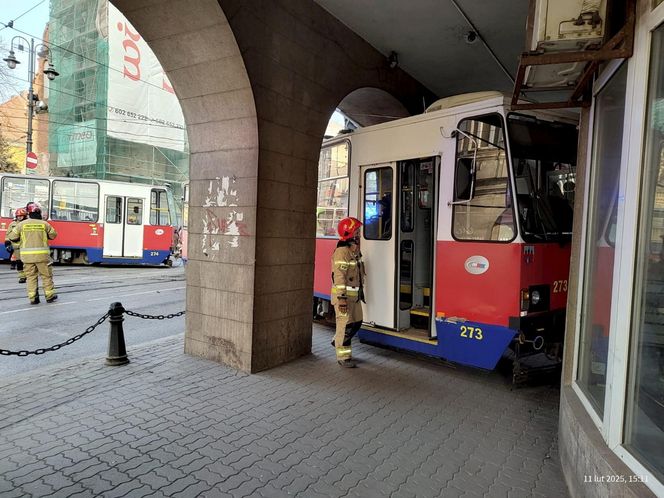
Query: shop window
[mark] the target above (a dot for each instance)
(483, 206)
(644, 427)
(333, 184)
(600, 241)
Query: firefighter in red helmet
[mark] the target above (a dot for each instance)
(33, 235)
(347, 288)
(19, 215)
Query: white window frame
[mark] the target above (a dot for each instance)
(606, 76)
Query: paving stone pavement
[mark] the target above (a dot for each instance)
(172, 425)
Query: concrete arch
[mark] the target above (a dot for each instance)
(258, 81)
(369, 106)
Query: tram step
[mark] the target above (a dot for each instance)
(420, 317)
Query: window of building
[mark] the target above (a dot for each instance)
(644, 427)
(378, 204)
(159, 211)
(75, 201)
(333, 184)
(604, 175)
(483, 205)
(18, 191)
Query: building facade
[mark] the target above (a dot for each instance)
(112, 111)
(612, 403)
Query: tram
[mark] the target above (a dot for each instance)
(467, 221)
(97, 221)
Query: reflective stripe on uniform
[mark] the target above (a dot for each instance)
(345, 290)
(345, 263)
(36, 250)
(344, 353)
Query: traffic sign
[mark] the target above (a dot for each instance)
(31, 160)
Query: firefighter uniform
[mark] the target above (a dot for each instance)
(33, 235)
(16, 254)
(347, 279)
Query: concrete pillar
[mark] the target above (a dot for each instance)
(258, 82)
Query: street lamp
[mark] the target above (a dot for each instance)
(40, 50)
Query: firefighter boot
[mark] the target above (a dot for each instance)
(347, 363)
(52, 298)
(35, 300)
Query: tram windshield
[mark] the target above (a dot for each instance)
(544, 168)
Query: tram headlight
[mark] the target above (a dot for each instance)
(525, 299)
(535, 297)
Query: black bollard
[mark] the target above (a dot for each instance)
(117, 353)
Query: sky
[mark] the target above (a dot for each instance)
(33, 23)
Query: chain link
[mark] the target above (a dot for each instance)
(154, 317)
(5, 352)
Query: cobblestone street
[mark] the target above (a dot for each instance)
(172, 425)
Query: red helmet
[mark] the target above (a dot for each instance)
(348, 227)
(20, 213)
(34, 207)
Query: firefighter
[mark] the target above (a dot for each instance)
(19, 215)
(33, 235)
(347, 290)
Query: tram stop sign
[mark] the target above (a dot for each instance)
(30, 162)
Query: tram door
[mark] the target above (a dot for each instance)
(415, 222)
(123, 227)
(377, 186)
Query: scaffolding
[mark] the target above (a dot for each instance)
(79, 143)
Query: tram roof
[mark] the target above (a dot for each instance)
(83, 180)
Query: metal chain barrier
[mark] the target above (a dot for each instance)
(5, 352)
(154, 317)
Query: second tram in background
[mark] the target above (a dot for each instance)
(467, 213)
(97, 221)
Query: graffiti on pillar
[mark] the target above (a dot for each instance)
(222, 192)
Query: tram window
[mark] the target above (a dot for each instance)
(159, 213)
(114, 210)
(406, 275)
(185, 206)
(424, 179)
(333, 187)
(75, 201)
(378, 204)
(134, 211)
(407, 205)
(17, 192)
(488, 213)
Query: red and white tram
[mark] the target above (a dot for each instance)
(467, 213)
(97, 221)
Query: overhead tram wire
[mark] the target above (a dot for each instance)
(484, 42)
(10, 24)
(51, 89)
(49, 121)
(60, 47)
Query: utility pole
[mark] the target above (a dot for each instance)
(50, 72)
